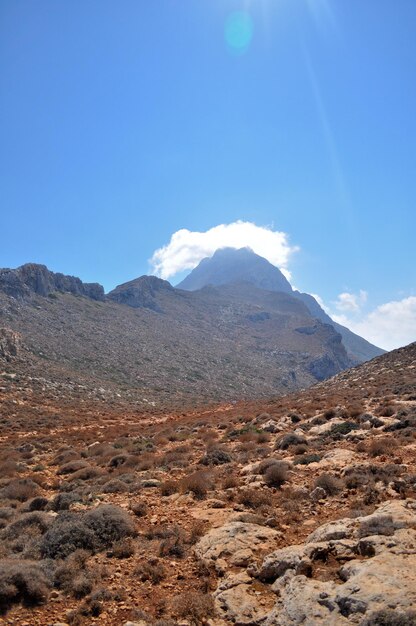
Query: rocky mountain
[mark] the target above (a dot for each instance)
(229, 265)
(154, 344)
(33, 279)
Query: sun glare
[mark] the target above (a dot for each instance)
(238, 31)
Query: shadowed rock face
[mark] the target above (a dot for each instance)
(32, 279)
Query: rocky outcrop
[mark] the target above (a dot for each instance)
(376, 555)
(238, 601)
(219, 546)
(30, 279)
(9, 343)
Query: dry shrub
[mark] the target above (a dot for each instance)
(21, 581)
(197, 531)
(71, 575)
(139, 509)
(385, 410)
(264, 465)
(65, 456)
(390, 617)
(254, 498)
(86, 473)
(114, 486)
(329, 483)
(262, 437)
(276, 474)
(152, 570)
(216, 456)
(39, 503)
(382, 446)
(20, 489)
(123, 548)
(194, 606)
(197, 483)
(72, 466)
(168, 487)
(109, 524)
(66, 535)
(8, 468)
(230, 481)
(291, 439)
(146, 462)
(97, 529)
(28, 525)
(173, 544)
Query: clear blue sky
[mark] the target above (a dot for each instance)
(123, 121)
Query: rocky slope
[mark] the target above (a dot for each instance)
(229, 265)
(297, 510)
(156, 345)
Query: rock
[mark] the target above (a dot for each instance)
(224, 542)
(278, 562)
(318, 494)
(271, 426)
(237, 602)
(382, 576)
(340, 529)
(321, 429)
(242, 558)
(33, 279)
(9, 343)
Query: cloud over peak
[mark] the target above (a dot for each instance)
(187, 248)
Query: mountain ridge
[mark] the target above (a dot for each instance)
(230, 264)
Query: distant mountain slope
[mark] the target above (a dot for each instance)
(228, 265)
(358, 348)
(148, 342)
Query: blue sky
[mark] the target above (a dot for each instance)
(122, 122)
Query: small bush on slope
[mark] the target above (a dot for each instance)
(390, 618)
(21, 581)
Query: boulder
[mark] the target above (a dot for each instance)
(238, 602)
(377, 570)
(226, 541)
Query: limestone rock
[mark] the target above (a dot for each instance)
(278, 562)
(237, 601)
(224, 542)
(377, 558)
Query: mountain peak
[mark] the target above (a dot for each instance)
(231, 265)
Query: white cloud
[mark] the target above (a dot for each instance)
(187, 248)
(390, 325)
(351, 301)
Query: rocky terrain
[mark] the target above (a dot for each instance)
(297, 510)
(156, 346)
(244, 334)
(228, 266)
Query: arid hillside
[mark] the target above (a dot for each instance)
(156, 346)
(296, 510)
